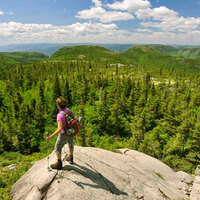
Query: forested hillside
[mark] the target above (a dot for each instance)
(87, 53)
(134, 107)
(8, 60)
(138, 55)
(179, 51)
(151, 103)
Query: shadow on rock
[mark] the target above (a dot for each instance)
(96, 177)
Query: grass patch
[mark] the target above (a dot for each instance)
(10, 177)
(159, 175)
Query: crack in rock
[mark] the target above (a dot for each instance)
(45, 188)
(163, 194)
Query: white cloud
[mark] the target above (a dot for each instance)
(14, 32)
(130, 5)
(6, 13)
(144, 30)
(97, 3)
(160, 13)
(13, 28)
(172, 28)
(9, 13)
(85, 28)
(180, 24)
(167, 20)
(103, 16)
(79, 32)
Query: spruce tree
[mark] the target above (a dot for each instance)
(82, 132)
(67, 93)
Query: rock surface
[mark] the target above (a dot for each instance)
(11, 167)
(184, 177)
(98, 174)
(195, 194)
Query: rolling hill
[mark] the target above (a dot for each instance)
(11, 59)
(144, 55)
(140, 55)
(6, 62)
(50, 48)
(180, 51)
(24, 57)
(87, 53)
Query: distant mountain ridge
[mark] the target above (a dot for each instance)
(184, 51)
(49, 49)
(181, 51)
(151, 56)
(140, 55)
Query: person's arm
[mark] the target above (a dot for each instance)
(59, 129)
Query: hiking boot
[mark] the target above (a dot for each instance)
(57, 165)
(70, 159)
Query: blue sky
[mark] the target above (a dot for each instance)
(100, 21)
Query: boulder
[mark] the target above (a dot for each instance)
(195, 193)
(185, 177)
(11, 167)
(99, 174)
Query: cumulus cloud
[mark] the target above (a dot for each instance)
(97, 3)
(167, 20)
(160, 13)
(180, 24)
(85, 28)
(161, 17)
(9, 13)
(144, 30)
(5, 13)
(103, 16)
(130, 5)
(170, 27)
(77, 32)
(12, 28)
(15, 32)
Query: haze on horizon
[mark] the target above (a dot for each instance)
(100, 21)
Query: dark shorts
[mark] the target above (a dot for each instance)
(61, 141)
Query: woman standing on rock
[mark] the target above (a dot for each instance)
(64, 135)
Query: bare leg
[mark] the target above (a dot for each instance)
(70, 156)
(71, 151)
(59, 155)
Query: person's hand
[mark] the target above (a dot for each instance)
(48, 138)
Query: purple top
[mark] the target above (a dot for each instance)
(61, 117)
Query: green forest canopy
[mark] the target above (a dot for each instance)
(149, 110)
(147, 106)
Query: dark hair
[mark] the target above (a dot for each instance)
(61, 103)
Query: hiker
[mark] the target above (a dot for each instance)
(64, 134)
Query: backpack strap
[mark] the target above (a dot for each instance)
(62, 112)
(77, 127)
(71, 114)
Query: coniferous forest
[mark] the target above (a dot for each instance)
(152, 110)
